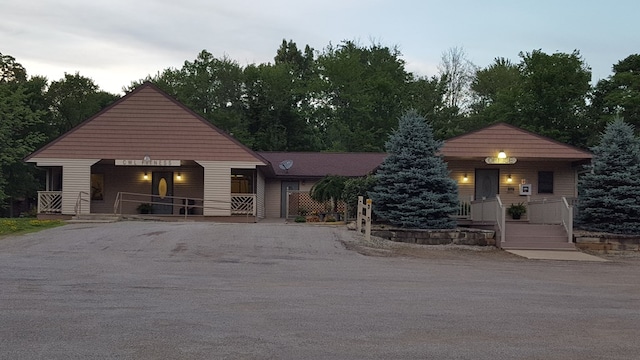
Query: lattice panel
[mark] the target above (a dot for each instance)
(242, 204)
(300, 203)
(49, 201)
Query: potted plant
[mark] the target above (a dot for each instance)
(516, 210)
(144, 208)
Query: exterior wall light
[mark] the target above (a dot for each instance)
(502, 155)
(509, 179)
(465, 178)
(179, 177)
(146, 176)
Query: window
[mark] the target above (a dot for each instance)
(545, 182)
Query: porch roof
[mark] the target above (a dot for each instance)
(515, 142)
(320, 164)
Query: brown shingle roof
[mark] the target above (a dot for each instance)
(147, 121)
(317, 164)
(514, 141)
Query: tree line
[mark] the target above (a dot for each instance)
(344, 97)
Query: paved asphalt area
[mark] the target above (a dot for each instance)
(148, 290)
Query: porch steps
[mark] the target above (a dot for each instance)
(95, 218)
(526, 236)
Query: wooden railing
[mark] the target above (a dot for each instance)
(243, 204)
(49, 202)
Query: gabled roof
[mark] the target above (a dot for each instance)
(319, 164)
(515, 142)
(147, 121)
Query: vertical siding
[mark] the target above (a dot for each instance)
(272, 198)
(260, 195)
(76, 177)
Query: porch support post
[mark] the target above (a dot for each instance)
(217, 188)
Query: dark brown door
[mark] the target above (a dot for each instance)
(162, 190)
(487, 183)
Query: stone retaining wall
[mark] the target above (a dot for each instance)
(438, 237)
(606, 243)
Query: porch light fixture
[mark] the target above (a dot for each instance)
(146, 176)
(465, 178)
(502, 155)
(509, 179)
(146, 158)
(179, 177)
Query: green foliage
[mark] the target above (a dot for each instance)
(73, 99)
(23, 225)
(517, 210)
(619, 95)
(355, 187)
(300, 219)
(330, 188)
(413, 186)
(546, 94)
(609, 195)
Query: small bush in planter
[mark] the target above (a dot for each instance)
(144, 208)
(300, 219)
(517, 210)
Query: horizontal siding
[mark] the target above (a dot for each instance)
(76, 178)
(564, 179)
(272, 198)
(217, 188)
(131, 179)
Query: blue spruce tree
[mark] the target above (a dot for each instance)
(609, 195)
(413, 187)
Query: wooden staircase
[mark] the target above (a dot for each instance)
(526, 236)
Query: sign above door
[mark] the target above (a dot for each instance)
(149, 162)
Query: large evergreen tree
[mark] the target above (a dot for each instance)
(610, 193)
(413, 187)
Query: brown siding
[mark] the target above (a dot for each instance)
(147, 122)
(272, 198)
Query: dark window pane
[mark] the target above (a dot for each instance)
(545, 182)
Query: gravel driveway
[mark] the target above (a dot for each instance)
(147, 290)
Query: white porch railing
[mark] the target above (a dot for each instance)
(49, 202)
(243, 204)
(545, 211)
(567, 218)
(490, 211)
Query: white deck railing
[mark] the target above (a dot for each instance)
(244, 204)
(490, 211)
(567, 218)
(49, 202)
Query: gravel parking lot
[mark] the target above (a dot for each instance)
(151, 290)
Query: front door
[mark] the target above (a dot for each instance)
(284, 199)
(487, 183)
(162, 190)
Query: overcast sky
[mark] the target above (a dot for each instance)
(119, 41)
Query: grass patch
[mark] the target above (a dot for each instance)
(26, 225)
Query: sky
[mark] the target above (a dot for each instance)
(117, 42)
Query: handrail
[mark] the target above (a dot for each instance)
(120, 199)
(78, 207)
(501, 219)
(567, 218)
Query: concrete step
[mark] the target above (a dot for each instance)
(95, 218)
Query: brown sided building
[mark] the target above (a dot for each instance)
(147, 148)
